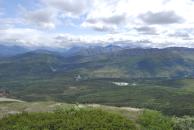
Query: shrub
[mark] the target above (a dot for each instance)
(73, 119)
(153, 120)
(184, 123)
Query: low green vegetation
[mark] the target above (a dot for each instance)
(184, 123)
(56, 116)
(153, 120)
(85, 119)
(82, 119)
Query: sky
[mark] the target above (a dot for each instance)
(67, 23)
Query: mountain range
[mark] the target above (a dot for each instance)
(98, 62)
(10, 50)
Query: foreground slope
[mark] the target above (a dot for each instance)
(68, 120)
(57, 116)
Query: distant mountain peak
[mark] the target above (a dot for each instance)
(11, 50)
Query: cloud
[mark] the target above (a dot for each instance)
(165, 17)
(102, 28)
(35, 38)
(71, 7)
(105, 16)
(25, 36)
(9, 22)
(165, 1)
(146, 30)
(109, 23)
(51, 13)
(115, 19)
(73, 22)
(105, 23)
(44, 18)
(180, 34)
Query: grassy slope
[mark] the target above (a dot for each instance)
(74, 116)
(84, 119)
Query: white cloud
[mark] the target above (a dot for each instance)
(35, 38)
(105, 23)
(165, 17)
(44, 18)
(69, 7)
(25, 36)
(105, 16)
(9, 22)
(156, 23)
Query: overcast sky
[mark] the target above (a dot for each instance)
(64, 23)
